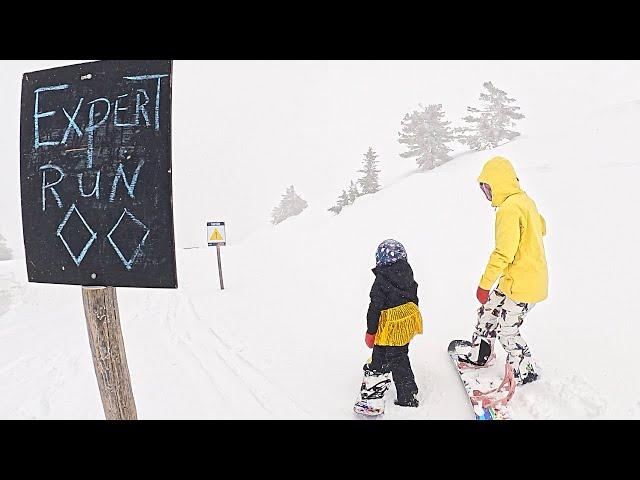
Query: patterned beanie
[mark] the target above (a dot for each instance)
(389, 251)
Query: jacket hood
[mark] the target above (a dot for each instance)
(501, 176)
(398, 277)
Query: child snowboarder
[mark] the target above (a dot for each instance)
(519, 260)
(393, 319)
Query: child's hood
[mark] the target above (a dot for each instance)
(398, 275)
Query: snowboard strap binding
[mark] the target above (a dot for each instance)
(465, 363)
(374, 385)
(485, 355)
(488, 399)
(375, 391)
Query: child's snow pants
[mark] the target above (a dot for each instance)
(395, 360)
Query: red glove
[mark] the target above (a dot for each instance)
(482, 295)
(370, 339)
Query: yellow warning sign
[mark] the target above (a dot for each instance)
(215, 235)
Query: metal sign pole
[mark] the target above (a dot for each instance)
(220, 268)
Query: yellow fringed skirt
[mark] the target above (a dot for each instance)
(398, 325)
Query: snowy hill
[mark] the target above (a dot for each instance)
(285, 338)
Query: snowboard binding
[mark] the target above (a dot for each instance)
(374, 386)
(490, 404)
(464, 362)
(497, 397)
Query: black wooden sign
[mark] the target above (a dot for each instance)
(95, 174)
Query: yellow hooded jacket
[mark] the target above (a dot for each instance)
(519, 252)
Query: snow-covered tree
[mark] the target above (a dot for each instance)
(369, 182)
(343, 201)
(489, 124)
(335, 209)
(353, 192)
(291, 204)
(5, 251)
(426, 135)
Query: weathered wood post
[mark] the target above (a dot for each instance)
(107, 350)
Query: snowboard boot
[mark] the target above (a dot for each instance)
(526, 374)
(406, 396)
(486, 356)
(532, 377)
(411, 402)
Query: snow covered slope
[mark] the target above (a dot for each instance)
(285, 339)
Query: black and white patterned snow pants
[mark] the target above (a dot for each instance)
(502, 317)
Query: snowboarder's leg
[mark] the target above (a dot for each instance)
(403, 378)
(518, 353)
(376, 375)
(378, 360)
(485, 333)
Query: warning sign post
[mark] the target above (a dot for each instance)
(216, 236)
(216, 233)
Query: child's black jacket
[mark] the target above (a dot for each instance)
(394, 285)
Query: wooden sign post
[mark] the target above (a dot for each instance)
(96, 194)
(107, 350)
(216, 235)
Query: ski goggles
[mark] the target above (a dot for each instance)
(486, 188)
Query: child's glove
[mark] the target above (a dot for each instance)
(482, 295)
(370, 339)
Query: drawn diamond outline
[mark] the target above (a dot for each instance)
(128, 264)
(77, 259)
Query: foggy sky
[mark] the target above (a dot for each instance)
(245, 130)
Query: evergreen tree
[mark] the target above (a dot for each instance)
(489, 125)
(353, 192)
(291, 204)
(426, 135)
(343, 200)
(369, 182)
(5, 251)
(335, 209)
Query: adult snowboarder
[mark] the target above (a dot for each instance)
(518, 260)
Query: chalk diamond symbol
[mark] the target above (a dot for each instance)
(128, 264)
(77, 259)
